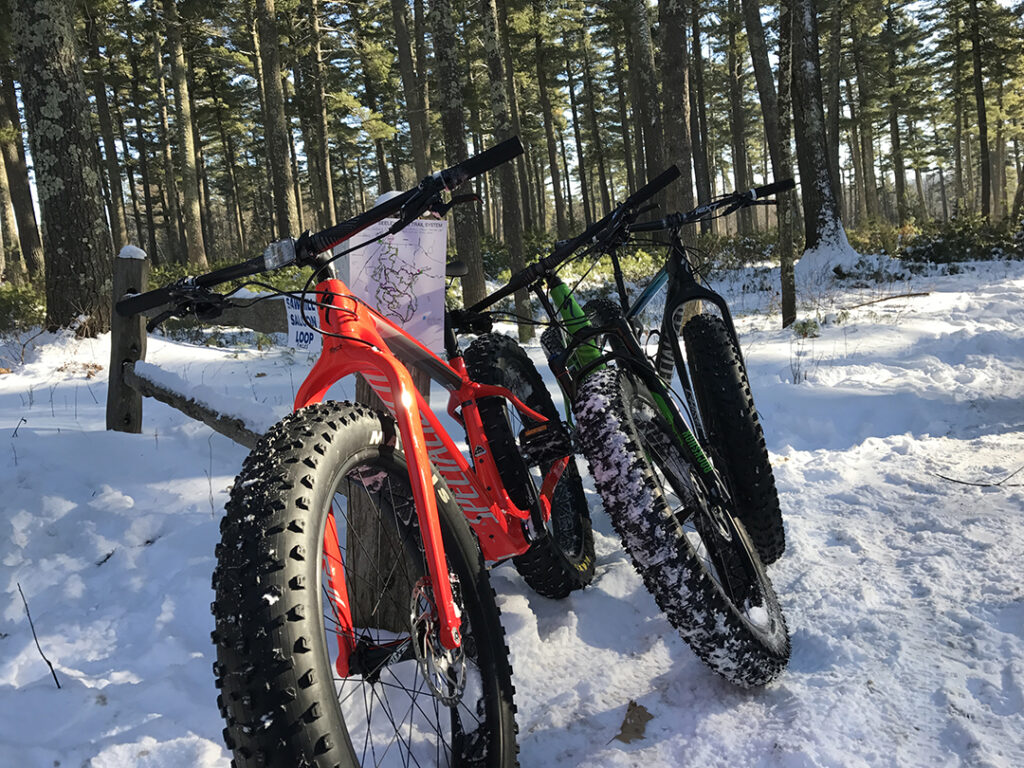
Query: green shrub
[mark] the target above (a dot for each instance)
(964, 238)
(880, 237)
(21, 307)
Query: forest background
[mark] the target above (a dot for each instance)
(201, 131)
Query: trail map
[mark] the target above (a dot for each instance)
(402, 276)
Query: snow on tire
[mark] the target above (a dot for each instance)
(698, 563)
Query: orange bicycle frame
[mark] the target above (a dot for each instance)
(359, 340)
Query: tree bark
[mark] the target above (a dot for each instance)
(286, 210)
(11, 265)
(415, 111)
(453, 126)
(979, 98)
(675, 59)
(13, 149)
(737, 119)
(699, 120)
(895, 107)
(511, 211)
(78, 264)
(822, 222)
(195, 247)
(588, 215)
(118, 223)
(595, 130)
(785, 207)
(539, 15)
(627, 144)
(654, 137)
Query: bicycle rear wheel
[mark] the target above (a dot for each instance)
(328, 650)
(563, 559)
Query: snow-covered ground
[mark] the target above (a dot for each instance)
(904, 591)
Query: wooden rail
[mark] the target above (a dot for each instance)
(126, 387)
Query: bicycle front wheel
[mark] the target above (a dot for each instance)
(328, 651)
(695, 556)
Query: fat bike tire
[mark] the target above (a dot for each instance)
(563, 559)
(281, 614)
(734, 431)
(696, 560)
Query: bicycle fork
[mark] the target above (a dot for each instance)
(355, 346)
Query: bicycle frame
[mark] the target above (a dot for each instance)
(359, 340)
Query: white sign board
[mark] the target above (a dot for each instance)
(300, 335)
(402, 276)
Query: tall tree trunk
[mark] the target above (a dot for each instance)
(568, 185)
(422, 79)
(822, 222)
(895, 107)
(13, 149)
(78, 259)
(122, 134)
(12, 267)
(415, 111)
(737, 119)
(675, 59)
(584, 189)
(511, 212)
(595, 131)
(834, 101)
(195, 247)
(627, 144)
(228, 148)
(959, 191)
(502, 31)
(172, 209)
(859, 183)
(453, 126)
(785, 206)
(699, 120)
(539, 15)
(979, 98)
(654, 137)
(118, 224)
(142, 150)
(286, 207)
(867, 136)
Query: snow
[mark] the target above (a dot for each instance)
(904, 591)
(132, 252)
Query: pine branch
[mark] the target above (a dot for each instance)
(887, 298)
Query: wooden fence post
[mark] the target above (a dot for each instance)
(127, 342)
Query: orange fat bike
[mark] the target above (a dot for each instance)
(355, 620)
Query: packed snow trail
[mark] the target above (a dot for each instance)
(904, 591)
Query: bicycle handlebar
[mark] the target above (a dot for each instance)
(738, 199)
(563, 251)
(411, 204)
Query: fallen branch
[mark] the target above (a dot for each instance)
(1001, 484)
(34, 637)
(887, 298)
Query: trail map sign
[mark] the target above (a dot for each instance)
(402, 277)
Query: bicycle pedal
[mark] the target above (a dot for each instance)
(545, 443)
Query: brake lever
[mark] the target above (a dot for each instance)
(155, 322)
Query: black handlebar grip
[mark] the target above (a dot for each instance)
(140, 302)
(654, 186)
(330, 237)
(773, 189)
(485, 161)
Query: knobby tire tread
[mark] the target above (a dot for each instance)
(277, 694)
(546, 567)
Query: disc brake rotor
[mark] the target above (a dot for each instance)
(443, 669)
